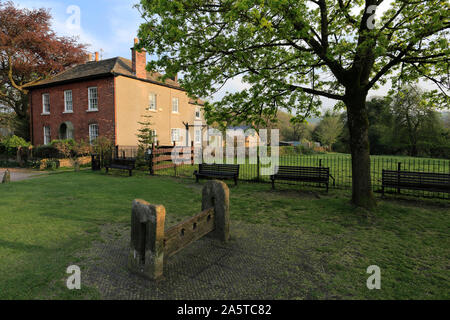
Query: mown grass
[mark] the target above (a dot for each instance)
(46, 221)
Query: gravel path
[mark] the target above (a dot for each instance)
(20, 174)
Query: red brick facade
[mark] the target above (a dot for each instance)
(80, 118)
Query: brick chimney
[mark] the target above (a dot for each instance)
(96, 56)
(139, 61)
(89, 57)
(175, 78)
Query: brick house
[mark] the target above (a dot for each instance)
(109, 98)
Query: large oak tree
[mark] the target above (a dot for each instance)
(30, 51)
(290, 52)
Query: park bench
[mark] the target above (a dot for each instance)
(218, 171)
(122, 164)
(427, 181)
(319, 175)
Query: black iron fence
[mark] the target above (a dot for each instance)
(340, 168)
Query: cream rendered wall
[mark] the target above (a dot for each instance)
(132, 102)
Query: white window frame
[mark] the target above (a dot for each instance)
(49, 136)
(44, 104)
(197, 135)
(175, 102)
(68, 103)
(155, 135)
(198, 111)
(178, 133)
(152, 102)
(91, 132)
(91, 99)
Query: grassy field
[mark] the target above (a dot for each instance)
(45, 221)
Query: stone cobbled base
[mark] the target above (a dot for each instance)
(259, 262)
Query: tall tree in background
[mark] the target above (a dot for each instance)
(30, 51)
(292, 128)
(407, 122)
(291, 51)
(416, 119)
(329, 129)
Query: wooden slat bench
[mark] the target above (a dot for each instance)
(426, 181)
(218, 171)
(319, 175)
(122, 164)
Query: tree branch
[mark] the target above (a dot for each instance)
(317, 92)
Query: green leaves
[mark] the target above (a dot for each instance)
(146, 135)
(281, 48)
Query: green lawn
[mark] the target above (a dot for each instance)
(45, 222)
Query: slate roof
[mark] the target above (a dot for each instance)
(109, 67)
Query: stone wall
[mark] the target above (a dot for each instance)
(65, 163)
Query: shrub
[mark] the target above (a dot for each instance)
(8, 164)
(103, 147)
(47, 152)
(297, 150)
(141, 162)
(10, 144)
(49, 164)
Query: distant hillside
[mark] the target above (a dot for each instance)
(313, 120)
(445, 115)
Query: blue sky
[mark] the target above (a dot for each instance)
(108, 25)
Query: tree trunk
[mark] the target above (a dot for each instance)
(358, 124)
(414, 150)
(22, 127)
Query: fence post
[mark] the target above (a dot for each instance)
(320, 162)
(152, 172)
(147, 239)
(192, 153)
(258, 164)
(216, 195)
(201, 152)
(18, 157)
(116, 152)
(175, 165)
(399, 168)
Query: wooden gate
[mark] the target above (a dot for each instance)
(161, 157)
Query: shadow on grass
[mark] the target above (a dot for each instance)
(19, 246)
